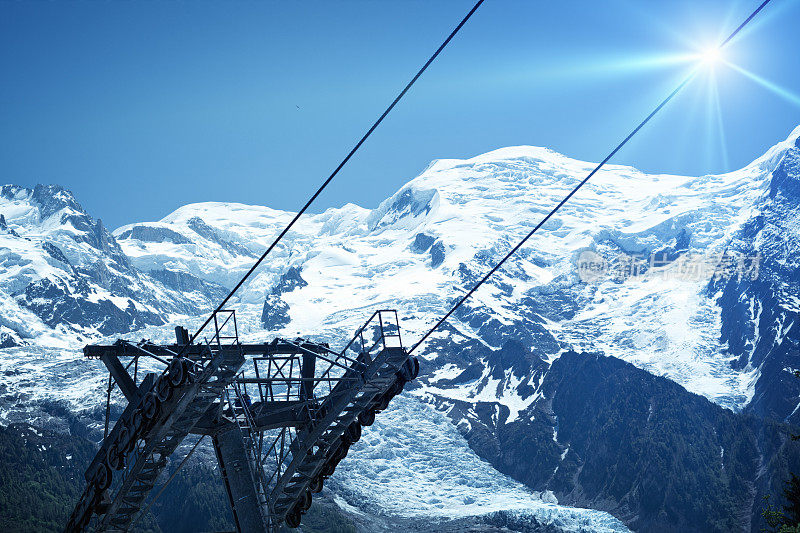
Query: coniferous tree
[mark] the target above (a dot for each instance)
(792, 494)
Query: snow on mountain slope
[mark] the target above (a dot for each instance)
(759, 326)
(442, 230)
(205, 240)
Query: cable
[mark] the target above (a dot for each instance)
(743, 24)
(336, 171)
(577, 188)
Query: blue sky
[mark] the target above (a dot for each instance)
(140, 108)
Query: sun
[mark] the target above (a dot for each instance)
(711, 55)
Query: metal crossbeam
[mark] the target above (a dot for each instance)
(126, 349)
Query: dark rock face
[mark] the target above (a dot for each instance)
(275, 314)
(54, 252)
(290, 281)
(609, 436)
(426, 243)
(199, 226)
(421, 243)
(669, 459)
(759, 295)
(437, 254)
(151, 234)
(527, 330)
(556, 306)
(56, 305)
(407, 204)
(187, 283)
(53, 198)
(7, 340)
(95, 235)
(514, 357)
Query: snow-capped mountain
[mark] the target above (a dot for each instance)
(634, 267)
(424, 245)
(62, 272)
(762, 315)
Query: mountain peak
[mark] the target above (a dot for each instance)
(46, 199)
(54, 198)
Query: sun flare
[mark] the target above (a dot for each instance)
(711, 55)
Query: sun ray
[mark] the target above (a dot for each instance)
(716, 122)
(773, 87)
(686, 148)
(610, 65)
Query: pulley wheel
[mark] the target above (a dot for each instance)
(353, 433)
(123, 439)
(293, 518)
(137, 421)
(412, 366)
(115, 459)
(163, 389)
(177, 372)
(383, 402)
(150, 407)
(102, 477)
(305, 501)
(341, 453)
(367, 417)
(327, 470)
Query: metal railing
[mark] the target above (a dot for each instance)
(283, 381)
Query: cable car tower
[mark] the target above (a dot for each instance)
(281, 416)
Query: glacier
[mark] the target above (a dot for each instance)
(412, 463)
